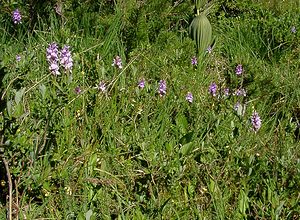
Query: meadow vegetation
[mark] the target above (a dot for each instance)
(108, 111)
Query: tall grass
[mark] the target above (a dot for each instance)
(131, 153)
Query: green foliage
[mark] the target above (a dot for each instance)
(264, 29)
(130, 153)
(199, 4)
(201, 32)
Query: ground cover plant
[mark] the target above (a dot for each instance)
(111, 110)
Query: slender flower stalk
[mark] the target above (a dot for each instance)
(209, 49)
(241, 92)
(117, 62)
(194, 61)
(141, 83)
(162, 89)
(18, 58)
(256, 121)
(16, 16)
(77, 90)
(189, 97)
(52, 58)
(54, 68)
(239, 69)
(102, 86)
(213, 89)
(52, 52)
(66, 58)
(226, 91)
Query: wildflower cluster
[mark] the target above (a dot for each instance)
(162, 89)
(213, 89)
(256, 121)
(101, 86)
(66, 58)
(117, 62)
(18, 58)
(194, 61)
(77, 90)
(239, 69)
(239, 107)
(52, 58)
(240, 92)
(141, 83)
(226, 91)
(16, 16)
(56, 57)
(189, 97)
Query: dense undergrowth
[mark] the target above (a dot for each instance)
(94, 143)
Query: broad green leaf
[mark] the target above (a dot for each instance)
(42, 88)
(19, 95)
(80, 216)
(243, 203)
(182, 123)
(88, 214)
(186, 138)
(9, 108)
(186, 149)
